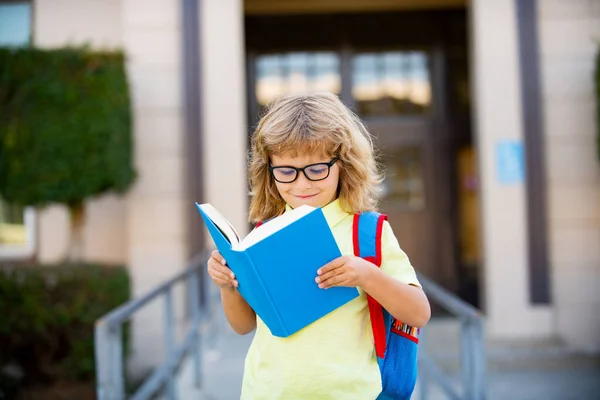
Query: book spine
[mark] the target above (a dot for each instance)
(282, 332)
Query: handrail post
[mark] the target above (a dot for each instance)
(478, 361)
(169, 339)
(116, 337)
(102, 361)
(194, 297)
(466, 341)
(473, 356)
(423, 376)
(109, 362)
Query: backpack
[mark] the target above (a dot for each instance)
(395, 343)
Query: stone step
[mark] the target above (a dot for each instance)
(441, 340)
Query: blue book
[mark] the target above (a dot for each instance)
(276, 265)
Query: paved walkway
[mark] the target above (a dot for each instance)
(523, 371)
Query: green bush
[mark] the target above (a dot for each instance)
(65, 125)
(47, 316)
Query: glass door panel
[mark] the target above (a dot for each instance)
(295, 72)
(393, 83)
(404, 182)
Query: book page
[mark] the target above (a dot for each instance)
(224, 226)
(274, 225)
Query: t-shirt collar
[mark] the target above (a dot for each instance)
(333, 212)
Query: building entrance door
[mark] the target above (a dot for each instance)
(394, 78)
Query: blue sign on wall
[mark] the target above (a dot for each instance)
(510, 161)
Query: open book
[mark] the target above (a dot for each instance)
(276, 265)
(257, 234)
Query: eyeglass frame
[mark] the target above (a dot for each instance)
(298, 170)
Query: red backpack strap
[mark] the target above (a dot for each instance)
(371, 252)
(259, 223)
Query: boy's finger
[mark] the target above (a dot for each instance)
(223, 269)
(217, 264)
(228, 272)
(222, 279)
(217, 256)
(327, 276)
(216, 275)
(224, 273)
(338, 262)
(337, 280)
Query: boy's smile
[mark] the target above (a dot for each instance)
(304, 191)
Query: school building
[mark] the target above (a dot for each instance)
(484, 112)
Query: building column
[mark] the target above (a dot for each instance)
(224, 126)
(497, 111)
(158, 206)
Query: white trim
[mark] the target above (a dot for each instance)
(28, 249)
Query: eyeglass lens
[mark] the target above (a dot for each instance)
(314, 172)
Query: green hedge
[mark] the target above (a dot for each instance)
(65, 125)
(47, 316)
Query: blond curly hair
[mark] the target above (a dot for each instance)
(313, 123)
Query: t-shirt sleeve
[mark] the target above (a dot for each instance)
(394, 261)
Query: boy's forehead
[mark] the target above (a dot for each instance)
(302, 152)
(302, 155)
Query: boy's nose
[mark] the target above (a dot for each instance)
(302, 181)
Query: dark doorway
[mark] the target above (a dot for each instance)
(406, 75)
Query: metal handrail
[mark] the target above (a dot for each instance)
(472, 348)
(109, 350)
(110, 383)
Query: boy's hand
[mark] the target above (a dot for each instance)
(219, 273)
(348, 271)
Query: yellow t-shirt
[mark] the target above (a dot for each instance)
(334, 357)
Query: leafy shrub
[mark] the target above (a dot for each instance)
(65, 125)
(47, 316)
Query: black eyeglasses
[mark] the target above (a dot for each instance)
(312, 172)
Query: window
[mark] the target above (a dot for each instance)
(391, 83)
(15, 24)
(287, 73)
(17, 225)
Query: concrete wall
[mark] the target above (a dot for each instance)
(569, 35)
(71, 22)
(58, 23)
(569, 41)
(156, 208)
(498, 118)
